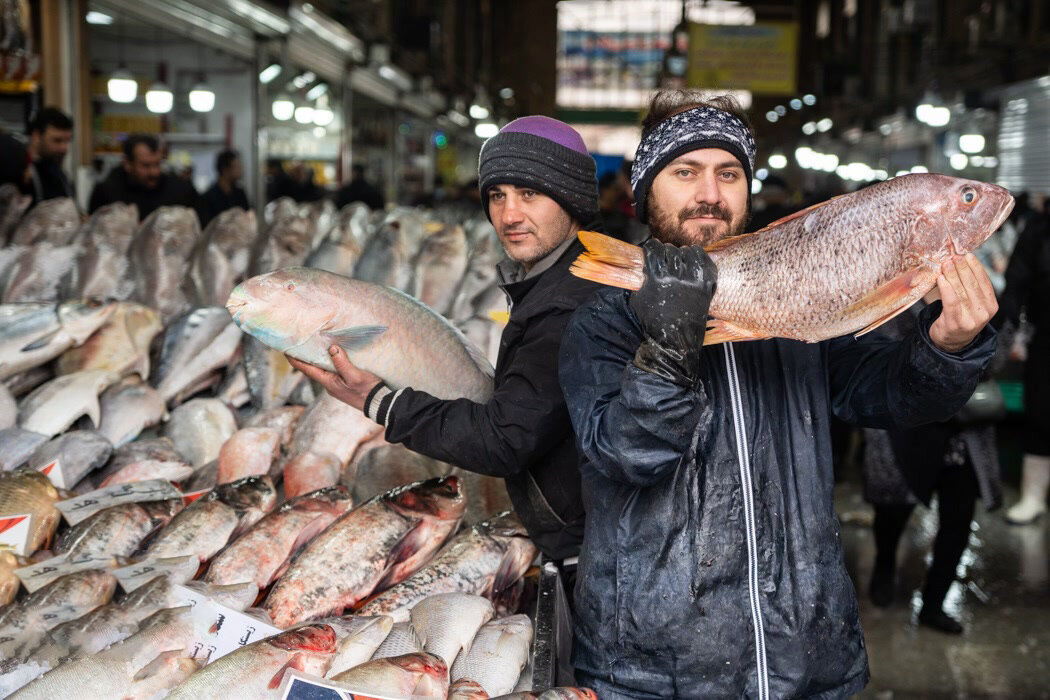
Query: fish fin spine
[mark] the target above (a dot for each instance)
(609, 261)
(356, 337)
(719, 331)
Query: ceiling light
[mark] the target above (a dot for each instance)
(756, 186)
(486, 130)
(922, 112)
(939, 116)
(958, 161)
(901, 172)
(319, 131)
(886, 129)
(202, 99)
(304, 114)
(761, 174)
(777, 161)
(506, 93)
(323, 116)
(458, 118)
(990, 161)
(316, 91)
(804, 156)
(781, 110)
(809, 100)
(95, 17)
(478, 112)
(122, 86)
(795, 103)
(283, 108)
(920, 169)
(829, 162)
(772, 116)
(159, 98)
(809, 128)
(268, 74)
(824, 124)
(977, 161)
(971, 143)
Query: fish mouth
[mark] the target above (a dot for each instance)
(1004, 211)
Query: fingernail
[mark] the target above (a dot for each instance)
(332, 350)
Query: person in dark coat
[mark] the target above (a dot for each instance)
(1028, 289)
(140, 181)
(50, 135)
(711, 564)
(955, 459)
(539, 187)
(359, 189)
(226, 193)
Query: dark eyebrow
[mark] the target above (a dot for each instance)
(700, 166)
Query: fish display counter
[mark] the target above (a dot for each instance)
(182, 514)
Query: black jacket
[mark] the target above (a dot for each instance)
(215, 201)
(47, 181)
(522, 433)
(712, 549)
(118, 187)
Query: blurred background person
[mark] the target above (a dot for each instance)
(139, 180)
(227, 192)
(14, 162)
(50, 135)
(359, 189)
(1028, 291)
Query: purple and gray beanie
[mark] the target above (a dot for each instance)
(546, 155)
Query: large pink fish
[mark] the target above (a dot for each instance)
(843, 266)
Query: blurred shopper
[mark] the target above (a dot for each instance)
(522, 434)
(227, 192)
(776, 200)
(958, 461)
(139, 180)
(1028, 289)
(50, 135)
(359, 189)
(712, 564)
(610, 201)
(14, 162)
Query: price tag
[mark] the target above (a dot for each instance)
(14, 533)
(301, 686)
(220, 629)
(39, 575)
(178, 569)
(53, 471)
(79, 508)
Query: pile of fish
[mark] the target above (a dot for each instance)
(156, 451)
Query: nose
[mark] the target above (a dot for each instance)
(511, 212)
(707, 189)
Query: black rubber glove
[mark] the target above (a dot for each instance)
(672, 309)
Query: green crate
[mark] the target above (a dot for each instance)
(1013, 395)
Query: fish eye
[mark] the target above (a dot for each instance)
(290, 286)
(969, 195)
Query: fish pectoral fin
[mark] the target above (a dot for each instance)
(355, 337)
(719, 331)
(94, 412)
(296, 663)
(893, 297)
(158, 665)
(41, 341)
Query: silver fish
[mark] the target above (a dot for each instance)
(331, 426)
(129, 408)
(159, 256)
(387, 259)
(285, 243)
(446, 623)
(198, 429)
(13, 204)
(271, 379)
(38, 273)
(401, 640)
(497, 655)
(79, 452)
(8, 408)
(195, 345)
(34, 333)
(359, 637)
(420, 675)
(53, 221)
(141, 455)
(101, 269)
(53, 407)
(116, 531)
(17, 446)
(439, 268)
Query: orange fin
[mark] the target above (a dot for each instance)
(896, 296)
(609, 261)
(725, 332)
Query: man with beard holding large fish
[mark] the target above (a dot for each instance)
(539, 187)
(711, 563)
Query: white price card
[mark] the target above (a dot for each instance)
(178, 569)
(81, 507)
(43, 573)
(220, 629)
(53, 470)
(14, 533)
(302, 686)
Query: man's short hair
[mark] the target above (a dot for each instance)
(147, 140)
(50, 116)
(357, 170)
(225, 159)
(667, 103)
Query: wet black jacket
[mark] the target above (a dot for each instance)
(522, 433)
(712, 564)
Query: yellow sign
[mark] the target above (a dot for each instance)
(761, 57)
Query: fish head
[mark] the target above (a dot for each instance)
(279, 308)
(423, 664)
(441, 498)
(249, 492)
(80, 319)
(957, 215)
(317, 637)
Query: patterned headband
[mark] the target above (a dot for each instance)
(700, 127)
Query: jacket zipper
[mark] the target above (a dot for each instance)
(744, 461)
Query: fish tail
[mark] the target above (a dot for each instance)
(609, 261)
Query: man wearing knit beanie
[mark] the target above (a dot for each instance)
(538, 188)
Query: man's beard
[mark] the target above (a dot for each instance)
(669, 227)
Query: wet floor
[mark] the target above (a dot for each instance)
(1002, 597)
